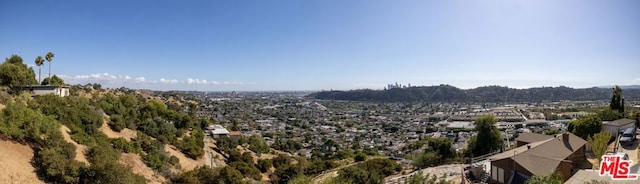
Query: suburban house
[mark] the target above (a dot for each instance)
(618, 125)
(539, 155)
(37, 90)
(216, 131)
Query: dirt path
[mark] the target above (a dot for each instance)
(125, 133)
(137, 166)
(15, 163)
(80, 149)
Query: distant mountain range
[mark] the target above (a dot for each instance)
(447, 93)
(623, 87)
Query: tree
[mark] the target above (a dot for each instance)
(55, 80)
(609, 115)
(15, 74)
(258, 145)
(617, 102)
(300, 179)
(488, 138)
(360, 157)
(599, 143)
(555, 178)
(49, 58)
(230, 175)
(426, 159)
(359, 176)
(585, 127)
(39, 62)
(264, 164)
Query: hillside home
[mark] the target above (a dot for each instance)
(216, 131)
(564, 153)
(38, 90)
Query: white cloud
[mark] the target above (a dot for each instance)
(196, 81)
(170, 81)
(140, 79)
(637, 80)
(111, 80)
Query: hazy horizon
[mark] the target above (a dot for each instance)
(323, 45)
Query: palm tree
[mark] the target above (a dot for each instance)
(49, 57)
(39, 62)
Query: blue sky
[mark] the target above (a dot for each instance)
(328, 44)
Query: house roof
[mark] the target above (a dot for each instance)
(235, 133)
(620, 122)
(532, 137)
(218, 131)
(543, 157)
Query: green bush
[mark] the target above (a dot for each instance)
(116, 122)
(360, 157)
(247, 169)
(123, 145)
(264, 165)
(258, 145)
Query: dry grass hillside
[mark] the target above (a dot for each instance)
(125, 133)
(138, 167)
(80, 149)
(15, 163)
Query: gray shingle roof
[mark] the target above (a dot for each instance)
(532, 137)
(543, 157)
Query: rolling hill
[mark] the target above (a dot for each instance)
(448, 93)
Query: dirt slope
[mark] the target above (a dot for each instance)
(80, 149)
(135, 162)
(15, 163)
(186, 162)
(125, 133)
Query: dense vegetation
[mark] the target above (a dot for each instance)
(54, 156)
(446, 93)
(438, 151)
(488, 139)
(14, 74)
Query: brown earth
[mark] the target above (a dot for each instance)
(137, 166)
(15, 163)
(186, 163)
(125, 133)
(80, 149)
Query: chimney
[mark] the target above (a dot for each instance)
(528, 146)
(565, 137)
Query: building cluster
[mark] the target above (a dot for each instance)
(390, 128)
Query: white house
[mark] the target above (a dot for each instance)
(217, 131)
(37, 90)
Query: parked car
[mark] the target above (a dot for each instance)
(628, 136)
